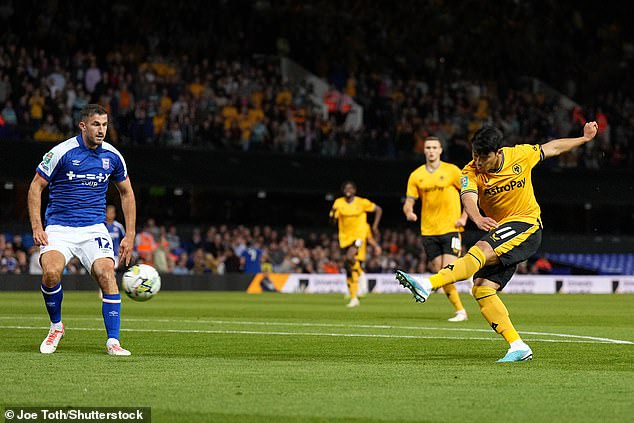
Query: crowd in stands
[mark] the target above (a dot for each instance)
(219, 94)
(240, 249)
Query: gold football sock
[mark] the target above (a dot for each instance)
(452, 293)
(494, 311)
(460, 269)
(353, 288)
(353, 280)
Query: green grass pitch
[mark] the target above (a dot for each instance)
(234, 357)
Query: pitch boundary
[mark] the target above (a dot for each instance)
(571, 338)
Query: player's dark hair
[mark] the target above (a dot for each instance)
(92, 109)
(435, 139)
(343, 185)
(487, 139)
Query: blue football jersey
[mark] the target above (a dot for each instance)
(252, 260)
(117, 232)
(78, 181)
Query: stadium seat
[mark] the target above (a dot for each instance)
(603, 264)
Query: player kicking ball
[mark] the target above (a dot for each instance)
(498, 180)
(77, 172)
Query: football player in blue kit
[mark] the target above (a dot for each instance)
(77, 172)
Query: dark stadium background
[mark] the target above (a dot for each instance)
(583, 48)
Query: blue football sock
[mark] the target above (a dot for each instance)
(53, 300)
(110, 308)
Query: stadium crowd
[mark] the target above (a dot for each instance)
(213, 80)
(240, 249)
(220, 94)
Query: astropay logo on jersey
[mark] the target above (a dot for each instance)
(505, 188)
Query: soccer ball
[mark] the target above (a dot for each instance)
(141, 282)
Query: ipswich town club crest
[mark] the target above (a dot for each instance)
(105, 163)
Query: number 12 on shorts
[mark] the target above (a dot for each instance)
(103, 242)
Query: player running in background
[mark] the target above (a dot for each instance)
(350, 212)
(362, 255)
(116, 231)
(498, 180)
(437, 185)
(77, 172)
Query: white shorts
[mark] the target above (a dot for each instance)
(87, 243)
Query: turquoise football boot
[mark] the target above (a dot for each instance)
(517, 355)
(421, 290)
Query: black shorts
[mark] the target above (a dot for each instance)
(435, 246)
(513, 242)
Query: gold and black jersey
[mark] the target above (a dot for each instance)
(439, 193)
(506, 194)
(352, 219)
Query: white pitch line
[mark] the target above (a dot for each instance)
(346, 335)
(339, 325)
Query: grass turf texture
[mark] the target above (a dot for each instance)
(233, 357)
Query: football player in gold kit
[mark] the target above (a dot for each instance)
(350, 212)
(362, 255)
(498, 180)
(437, 184)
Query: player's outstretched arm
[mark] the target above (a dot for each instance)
(35, 209)
(559, 146)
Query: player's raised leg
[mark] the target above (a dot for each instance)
(463, 268)
(52, 267)
(420, 289)
(103, 272)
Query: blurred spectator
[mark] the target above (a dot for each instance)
(34, 261)
(180, 267)
(18, 244)
(198, 262)
(173, 239)
(9, 261)
(9, 114)
(92, 77)
(195, 243)
(373, 266)
(74, 267)
(145, 243)
(162, 258)
(542, 266)
(231, 261)
(48, 131)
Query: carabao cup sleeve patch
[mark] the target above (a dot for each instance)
(464, 181)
